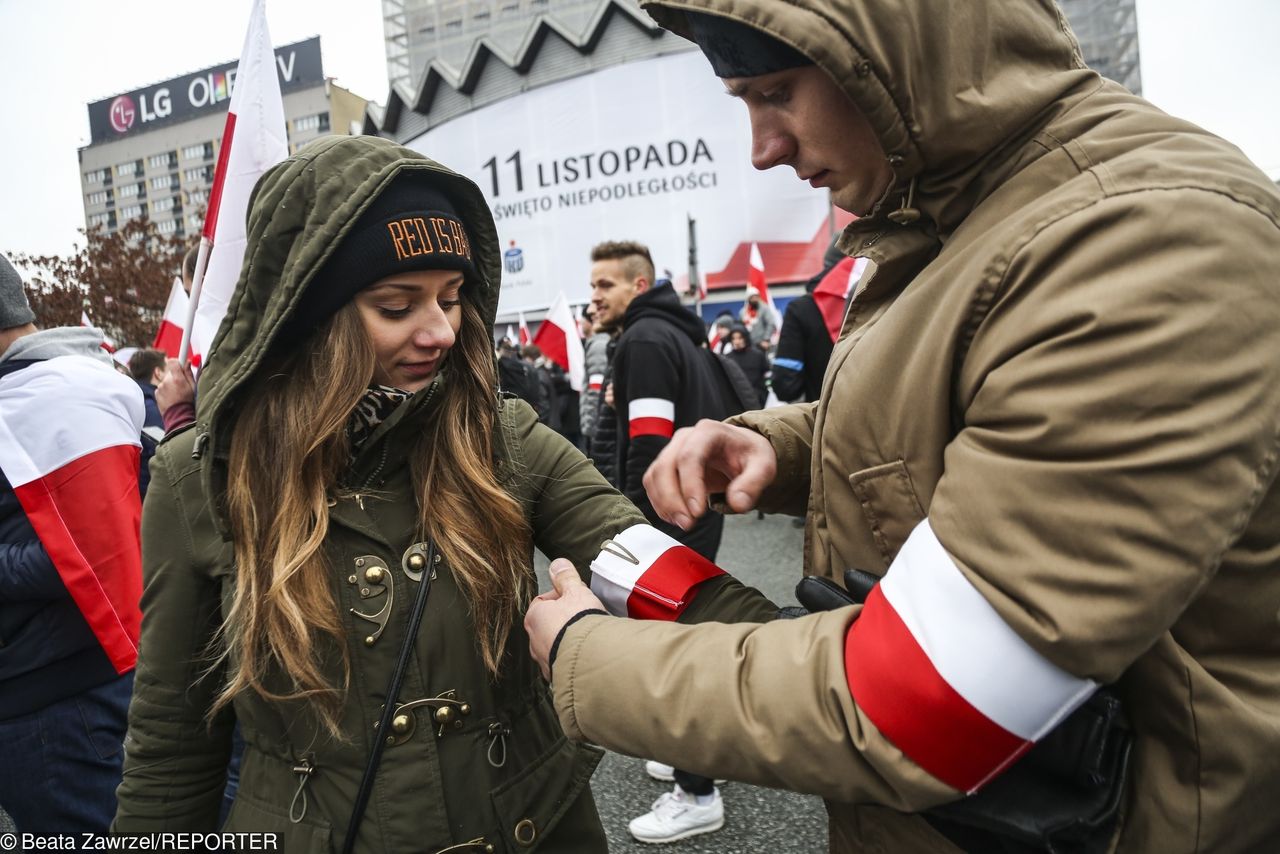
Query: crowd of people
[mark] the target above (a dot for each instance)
(1035, 453)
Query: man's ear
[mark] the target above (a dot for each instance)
(642, 284)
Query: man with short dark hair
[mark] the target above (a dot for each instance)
(1048, 434)
(147, 367)
(660, 382)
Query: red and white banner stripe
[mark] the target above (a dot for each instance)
(651, 416)
(644, 574)
(69, 445)
(169, 335)
(559, 341)
(595, 382)
(944, 678)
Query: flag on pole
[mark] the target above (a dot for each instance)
(511, 333)
(832, 293)
(69, 445)
(558, 339)
(107, 344)
(253, 140)
(169, 335)
(757, 284)
(755, 276)
(524, 331)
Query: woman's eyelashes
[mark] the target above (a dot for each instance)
(394, 313)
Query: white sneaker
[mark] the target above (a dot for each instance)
(658, 771)
(677, 815)
(666, 773)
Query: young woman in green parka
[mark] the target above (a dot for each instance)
(351, 447)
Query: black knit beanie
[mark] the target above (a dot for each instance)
(736, 49)
(410, 226)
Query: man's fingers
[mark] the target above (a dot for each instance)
(758, 466)
(564, 576)
(662, 482)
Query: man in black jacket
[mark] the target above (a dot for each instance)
(663, 378)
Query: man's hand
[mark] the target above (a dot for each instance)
(549, 612)
(178, 385)
(709, 457)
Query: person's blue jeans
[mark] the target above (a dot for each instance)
(60, 766)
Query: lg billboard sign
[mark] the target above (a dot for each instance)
(298, 66)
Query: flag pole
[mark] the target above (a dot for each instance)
(693, 264)
(197, 281)
(207, 233)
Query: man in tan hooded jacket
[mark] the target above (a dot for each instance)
(1052, 425)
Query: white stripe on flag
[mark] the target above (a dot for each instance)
(971, 647)
(651, 407)
(613, 577)
(61, 409)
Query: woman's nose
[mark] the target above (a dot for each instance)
(434, 332)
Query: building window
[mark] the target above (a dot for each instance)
(127, 168)
(98, 219)
(130, 211)
(169, 226)
(161, 182)
(129, 191)
(99, 197)
(197, 152)
(194, 221)
(199, 173)
(97, 176)
(162, 205)
(197, 197)
(160, 161)
(320, 121)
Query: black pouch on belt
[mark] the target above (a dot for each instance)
(1063, 796)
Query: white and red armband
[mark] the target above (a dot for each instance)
(944, 677)
(644, 574)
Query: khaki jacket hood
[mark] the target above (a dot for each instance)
(299, 212)
(949, 106)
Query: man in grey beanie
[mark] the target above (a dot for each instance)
(15, 313)
(70, 569)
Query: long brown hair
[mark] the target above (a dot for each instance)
(289, 447)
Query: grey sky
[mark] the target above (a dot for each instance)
(1215, 62)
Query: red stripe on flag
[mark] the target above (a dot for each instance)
(652, 427)
(892, 679)
(168, 339)
(219, 178)
(662, 591)
(593, 386)
(553, 342)
(87, 516)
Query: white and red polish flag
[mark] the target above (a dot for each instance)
(559, 341)
(756, 283)
(69, 446)
(944, 677)
(511, 333)
(644, 574)
(524, 330)
(169, 335)
(832, 293)
(253, 140)
(651, 416)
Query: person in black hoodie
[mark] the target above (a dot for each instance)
(663, 378)
(751, 360)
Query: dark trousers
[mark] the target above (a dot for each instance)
(693, 784)
(62, 764)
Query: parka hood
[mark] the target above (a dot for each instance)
(299, 212)
(951, 89)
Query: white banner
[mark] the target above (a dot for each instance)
(625, 153)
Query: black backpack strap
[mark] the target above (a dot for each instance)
(388, 710)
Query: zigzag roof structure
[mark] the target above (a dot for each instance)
(549, 51)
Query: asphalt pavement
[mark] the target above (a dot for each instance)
(764, 553)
